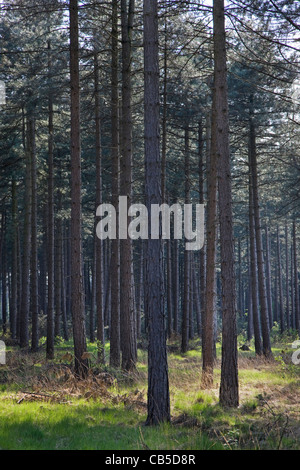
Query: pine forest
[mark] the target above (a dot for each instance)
(149, 227)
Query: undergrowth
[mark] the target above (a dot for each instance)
(44, 406)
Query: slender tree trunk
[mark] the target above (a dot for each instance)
(296, 284)
(115, 249)
(202, 275)
(287, 283)
(128, 343)
(259, 248)
(187, 280)
(158, 382)
(14, 267)
(4, 273)
(208, 356)
(25, 299)
(99, 243)
(268, 279)
(253, 271)
(77, 294)
(58, 268)
(175, 280)
(34, 257)
(293, 319)
(229, 395)
(50, 238)
(281, 313)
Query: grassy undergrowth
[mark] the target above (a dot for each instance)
(42, 406)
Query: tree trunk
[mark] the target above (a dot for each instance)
(158, 382)
(268, 279)
(296, 288)
(281, 314)
(253, 270)
(187, 280)
(50, 238)
(14, 266)
(34, 258)
(259, 248)
(77, 294)
(115, 249)
(128, 343)
(208, 357)
(229, 370)
(287, 284)
(25, 299)
(99, 243)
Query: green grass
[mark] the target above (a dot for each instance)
(66, 416)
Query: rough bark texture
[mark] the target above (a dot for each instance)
(259, 248)
(77, 294)
(158, 382)
(229, 395)
(253, 274)
(128, 343)
(115, 251)
(24, 306)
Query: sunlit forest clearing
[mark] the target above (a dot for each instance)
(44, 407)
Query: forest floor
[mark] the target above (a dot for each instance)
(42, 405)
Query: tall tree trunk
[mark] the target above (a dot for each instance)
(187, 253)
(25, 299)
(268, 279)
(287, 283)
(175, 283)
(4, 272)
(229, 395)
(202, 275)
(115, 249)
(14, 261)
(128, 343)
(34, 257)
(58, 268)
(77, 294)
(208, 321)
(296, 284)
(281, 314)
(99, 243)
(158, 382)
(253, 269)
(259, 248)
(50, 238)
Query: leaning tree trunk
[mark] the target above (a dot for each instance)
(229, 395)
(77, 294)
(158, 382)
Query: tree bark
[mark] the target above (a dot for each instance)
(128, 343)
(296, 284)
(229, 395)
(25, 299)
(115, 350)
(259, 248)
(158, 382)
(77, 294)
(34, 258)
(187, 280)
